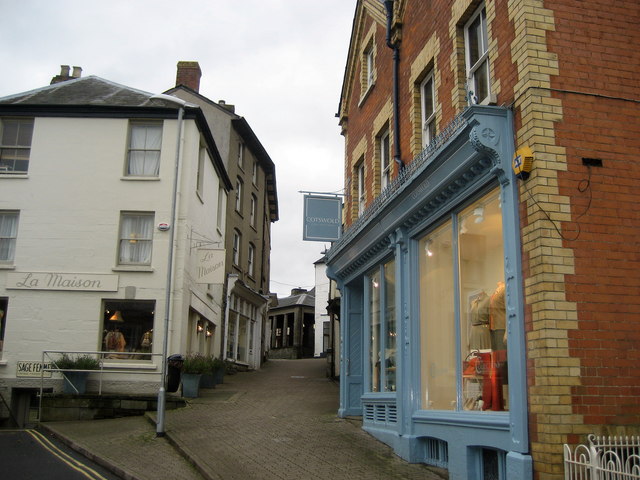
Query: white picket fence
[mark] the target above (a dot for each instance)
(605, 458)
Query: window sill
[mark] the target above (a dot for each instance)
(366, 94)
(14, 175)
(141, 178)
(141, 365)
(3, 363)
(133, 268)
(7, 267)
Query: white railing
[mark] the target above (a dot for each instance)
(605, 458)
(104, 368)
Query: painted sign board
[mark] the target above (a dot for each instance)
(62, 281)
(210, 265)
(33, 369)
(322, 218)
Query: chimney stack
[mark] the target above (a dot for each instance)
(64, 74)
(189, 74)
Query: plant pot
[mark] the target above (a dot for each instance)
(75, 383)
(190, 384)
(218, 375)
(207, 381)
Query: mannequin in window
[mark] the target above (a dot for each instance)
(114, 341)
(497, 322)
(479, 336)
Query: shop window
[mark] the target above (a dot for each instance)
(231, 335)
(136, 238)
(127, 328)
(8, 235)
(15, 144)
(143, 157)
(474, 328)
(3, 322)
(382, 329)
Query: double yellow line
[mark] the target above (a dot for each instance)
(64, 457)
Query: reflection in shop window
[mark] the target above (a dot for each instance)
(128, 328)
(481, 333)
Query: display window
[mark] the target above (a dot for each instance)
(382, 329)
(128, 329)
(464, 258)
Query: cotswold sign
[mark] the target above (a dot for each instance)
(62, 281)
(322, 218)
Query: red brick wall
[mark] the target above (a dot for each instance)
(596, 43)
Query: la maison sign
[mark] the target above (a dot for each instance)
(62, 281)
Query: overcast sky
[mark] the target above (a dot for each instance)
(280, 62)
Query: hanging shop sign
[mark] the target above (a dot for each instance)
(33, 369)
(210, 265)
(322, 218)
(62, 281)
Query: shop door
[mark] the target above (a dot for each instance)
(352, 367)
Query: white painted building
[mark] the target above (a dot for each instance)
(322, 321)
(86, 186)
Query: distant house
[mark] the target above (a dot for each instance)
(87, 170)
(292, 325)
(251, 210)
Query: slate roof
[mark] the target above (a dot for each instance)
(306, 299)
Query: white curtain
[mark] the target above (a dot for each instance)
(144, 150)
(136, 235)
(8, 234)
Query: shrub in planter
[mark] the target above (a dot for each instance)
(75, 382)
(193, 367)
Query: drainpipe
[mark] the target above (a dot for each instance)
(396, 62)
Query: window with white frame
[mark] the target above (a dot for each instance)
(360, 188)
(385, 160)
(239, 188)
(8, 235)
(254, 207)
(136, 238)
(477, 56)
(237, 238)
(145, 141)
(241, 155)
(254, 173)
(428, 108)
(369, 64)
(251, 256)
(200, 174)
(222, 204)
(15, 144)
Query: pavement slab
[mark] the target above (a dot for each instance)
(276, 423)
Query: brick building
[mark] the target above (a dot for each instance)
(490, 315)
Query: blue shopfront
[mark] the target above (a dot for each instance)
(432, 334)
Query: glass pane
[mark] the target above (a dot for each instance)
(482, 306)
(128, 327)
(374, 346)
(242, 341)
(475, 41)
(481, 81)
(428, 98)
(437, 320)
(390, 326)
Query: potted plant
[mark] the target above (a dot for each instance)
(218, 366)
(193, 367)
(207, 380)
(75, 371)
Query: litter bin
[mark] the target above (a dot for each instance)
(174, 369)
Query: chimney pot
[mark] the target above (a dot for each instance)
(64, 70)
(189, 74)
(77, 72)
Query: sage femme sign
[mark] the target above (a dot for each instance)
(322, 218)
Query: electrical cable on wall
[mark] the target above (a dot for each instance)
(583, 186)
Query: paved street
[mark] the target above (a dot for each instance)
(276, 423)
